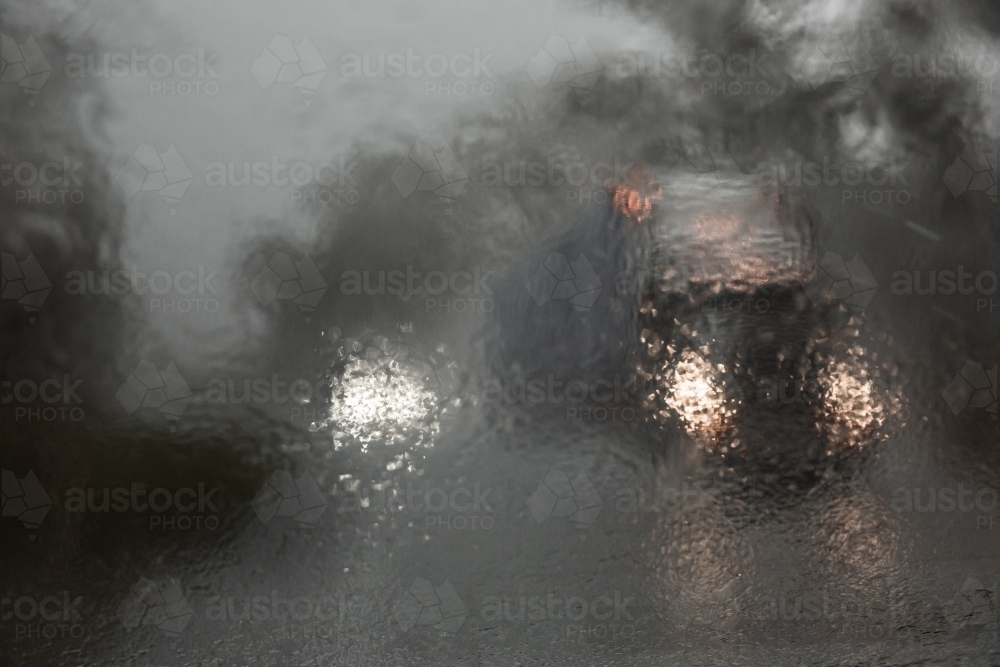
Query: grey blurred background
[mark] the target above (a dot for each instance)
(308, 259)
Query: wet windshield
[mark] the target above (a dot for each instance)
(499, 333)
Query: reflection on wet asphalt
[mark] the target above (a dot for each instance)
(620, 359)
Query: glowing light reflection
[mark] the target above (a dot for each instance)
(383, 396)
(633, 197)
(689, 389)
(852, 406)
(723, 236)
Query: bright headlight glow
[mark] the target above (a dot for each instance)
(689, 389)
(371, 401)
(382, 395)
(852, 405)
